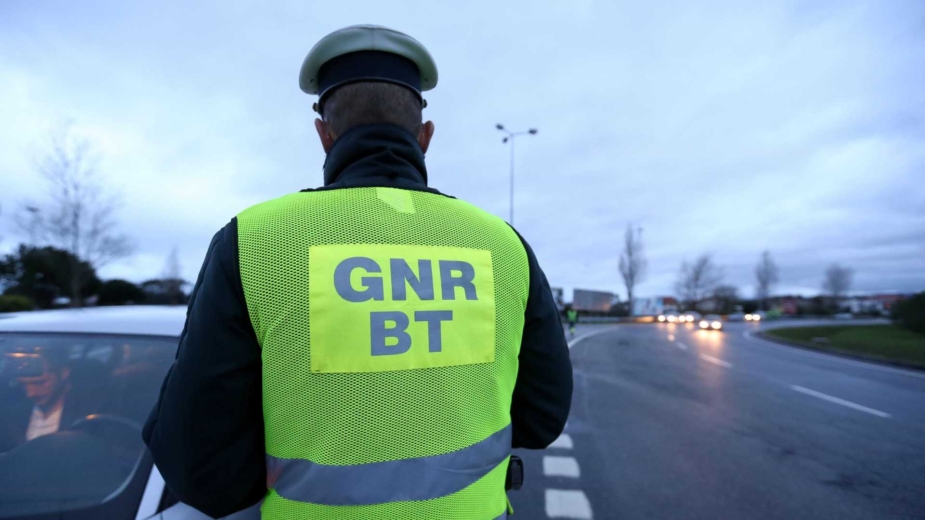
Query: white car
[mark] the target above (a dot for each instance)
(711, 322)
(669, 317)
(96, 373)
(690, 317)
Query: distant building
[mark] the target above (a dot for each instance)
(875, 304)
(788, 305)
(654, 306)
(708, 305)
(592, 301)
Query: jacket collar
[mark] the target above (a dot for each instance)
(375, 155)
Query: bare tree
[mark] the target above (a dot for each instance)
(632, 262)
(696, 281)
(837, 281)
(726, 298)
(766, 273)
(173, 278)
(79, 216)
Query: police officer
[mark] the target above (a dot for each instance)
(369, 349)
(572, 315)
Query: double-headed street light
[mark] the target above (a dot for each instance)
(510, 137)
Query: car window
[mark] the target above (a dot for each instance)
(71, 412)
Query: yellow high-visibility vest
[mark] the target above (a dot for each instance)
(390, 324)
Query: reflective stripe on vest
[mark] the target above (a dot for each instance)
(421, 478)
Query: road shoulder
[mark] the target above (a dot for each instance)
(826, 349)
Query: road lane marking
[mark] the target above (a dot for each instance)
(836, 400)
(567, 504)
(715, 361)
(560, 467)
(563, 442)
(587, 335)
(681, 346)
(856, 362)
(671, 337)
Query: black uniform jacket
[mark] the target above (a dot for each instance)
(206, 432)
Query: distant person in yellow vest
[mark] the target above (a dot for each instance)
(572, 316)
(371, 348)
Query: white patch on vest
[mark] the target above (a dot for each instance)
(399, 200)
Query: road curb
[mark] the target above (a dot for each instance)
(838, 352)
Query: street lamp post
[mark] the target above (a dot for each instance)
(510, 137)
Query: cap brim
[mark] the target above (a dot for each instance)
(366, 38)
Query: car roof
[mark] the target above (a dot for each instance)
(136, 319)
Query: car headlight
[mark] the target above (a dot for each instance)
(704, 324)
(756, 317)
(661, 318)
(748, 317)
(716, 325)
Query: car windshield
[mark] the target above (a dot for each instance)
(71, 412)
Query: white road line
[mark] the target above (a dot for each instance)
(715, 361)
(563, 442)
(587, 335)
(671, 337)
(842, 402)
(858, 363)
(567, 504)
(681, 346)
(561, 467)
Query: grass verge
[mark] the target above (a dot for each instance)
(887, 343)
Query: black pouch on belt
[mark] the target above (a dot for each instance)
(515, 474)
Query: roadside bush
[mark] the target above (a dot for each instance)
(120, 292)
(910, 313)
(15, 303)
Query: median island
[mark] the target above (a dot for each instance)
(885, 343)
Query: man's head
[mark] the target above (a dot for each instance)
(46, 387)
(369, 74)
(372, 102)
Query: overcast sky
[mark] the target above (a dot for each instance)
(728, 127)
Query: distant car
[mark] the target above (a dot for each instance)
(690, 316)
(711, 322)
(735, 316)
(93, 463)
(670, 317)
(753, 317)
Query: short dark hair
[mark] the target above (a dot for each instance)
(372, 102)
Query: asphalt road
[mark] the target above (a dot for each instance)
(671, 422)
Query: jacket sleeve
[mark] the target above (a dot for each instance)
(206, 432)
(543, 392)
